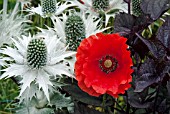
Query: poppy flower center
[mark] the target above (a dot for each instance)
(108, 64)
(100, 5)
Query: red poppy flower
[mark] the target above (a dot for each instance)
(103, 65)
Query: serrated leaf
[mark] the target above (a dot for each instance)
(123, 23)
(60, 100)
(126, 23)
(146, 76)
(164, 33)
(29, 93)
(155, 8)
(157, 49)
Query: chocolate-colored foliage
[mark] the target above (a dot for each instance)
(155, 8)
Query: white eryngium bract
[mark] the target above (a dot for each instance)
(36, 60)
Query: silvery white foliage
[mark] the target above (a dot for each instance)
(41, 76)
(29, 93)
(60, 7)
(34, 110)
(12, 25)
(39, 104)
(114, 5)
(60, 100)
(50, 32)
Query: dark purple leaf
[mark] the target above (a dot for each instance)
(140, 48)
(147, 75)
(162, 106)
(123, 23)
(126, 23)
(155, 8)
(82, 96)
(164, 33)
(156, 47)
(135, 100)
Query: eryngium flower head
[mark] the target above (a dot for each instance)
(36, 59)
(48, 7)
(84, 26)
(37, 53)
(96, 7)
(75, 31)
(136, 10)
(99, 5)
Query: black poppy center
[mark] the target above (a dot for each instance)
(108, 64)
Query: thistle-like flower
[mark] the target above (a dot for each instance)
(50, 7)
(11, 26)
(73, 28)
(107, 7)
(36, 59)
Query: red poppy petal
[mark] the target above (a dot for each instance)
(92, 76)
(90, 90)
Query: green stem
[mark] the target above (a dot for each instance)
(115, 105)
(104, 103)
(41, 21)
